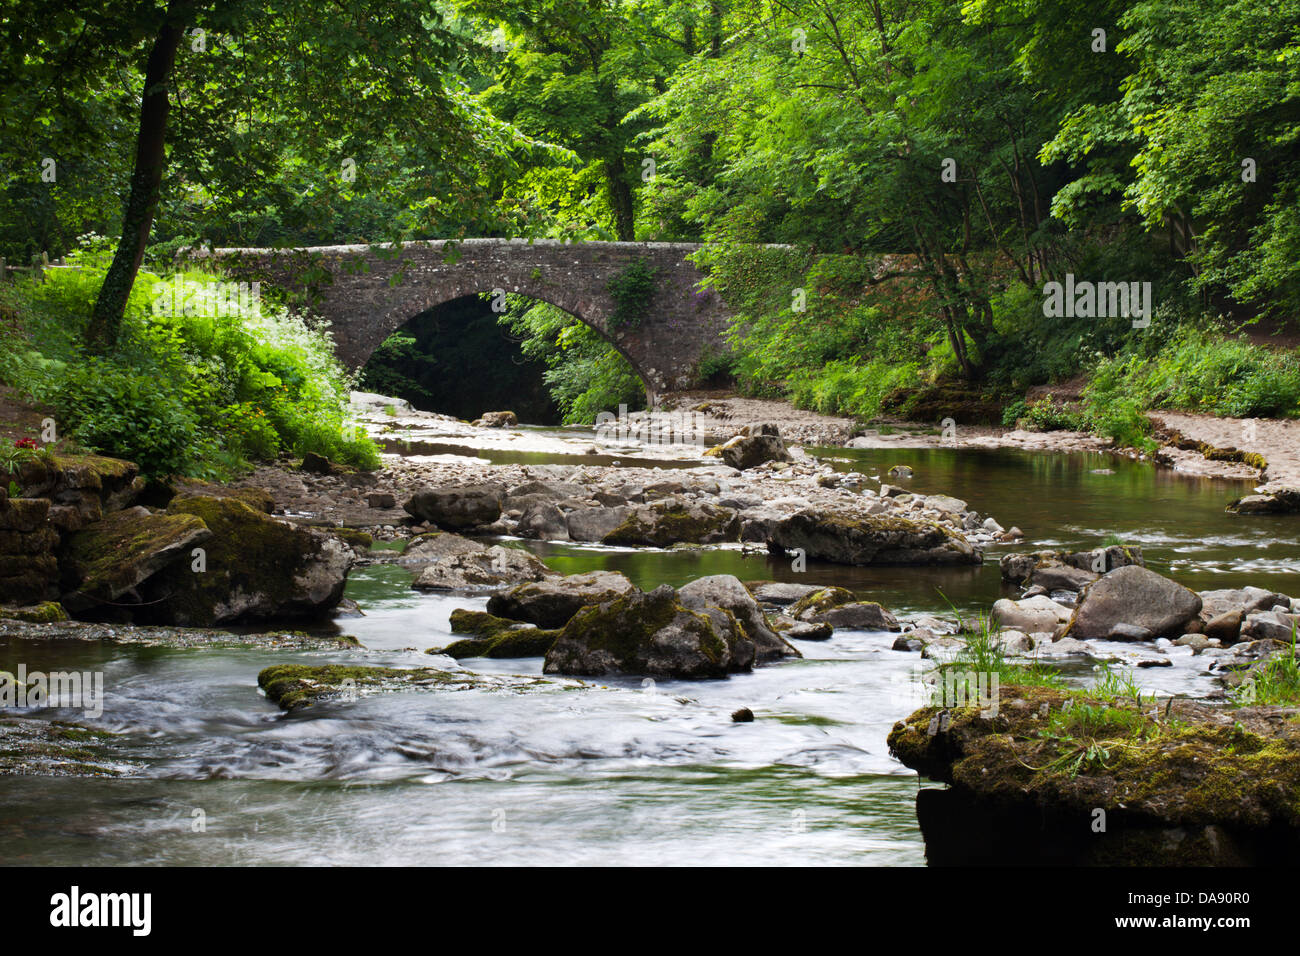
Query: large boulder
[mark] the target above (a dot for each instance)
(551, 602)
(106, 562)
(652, 634)
(1133, 596)
(675, 520)
(254, 568)
(871, 539)
(457, 506)
(726, 591)
(758, 445)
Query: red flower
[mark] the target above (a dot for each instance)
(25, 443)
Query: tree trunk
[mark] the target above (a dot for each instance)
(142, 201)
(620, 199)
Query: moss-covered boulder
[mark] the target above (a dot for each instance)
(493, 636)
(29, 570)
(254, 568)
(651, 634)
(553, 601)
(726, 592)
(105, 564)
(675, 520)
(1051, 776)
(871, 539)
(819, 602)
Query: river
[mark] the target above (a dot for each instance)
(622, 771)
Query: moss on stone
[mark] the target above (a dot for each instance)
(820, 601)
(294, 686)
(47, 612)
(1190, 765)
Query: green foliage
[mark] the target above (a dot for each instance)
(632, 289)
(200, 382)
(1275, 681)
(585, 374)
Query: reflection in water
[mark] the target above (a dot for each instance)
(611, 772)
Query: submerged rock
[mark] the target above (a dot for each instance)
(871, 539)
(551, 602)
(294, 686)
(653, 634)
(493, 636)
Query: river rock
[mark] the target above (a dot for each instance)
(859, 615)
(436, 545)
(788, 627)
(781, 592)
(1058, 576)
(676, 521)
(495, 637)
(652, 634)
(497, 420)
(1245, 600)
(872, 539)
(593, 524)
(457, 506)
(105, 562)
(1133, 595)
(1270, 626)
(726, 592)
(484, 568)
(1030, 615)
(255, 568)
(543, 520)
(759, 445)
(551, 602)
(1278, 502)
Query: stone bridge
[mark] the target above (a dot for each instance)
(367, 292)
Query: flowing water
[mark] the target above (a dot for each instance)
(621, 770)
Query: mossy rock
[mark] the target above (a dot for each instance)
(1061, 754)
(354, 537)
(47, 612)
(674, 521)
(811, 605)
(118, 553)
(653, 634)
(294, 686)
(254, 568)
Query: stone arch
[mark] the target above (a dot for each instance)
(369, 291)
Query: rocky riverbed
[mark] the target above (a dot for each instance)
(469, 515)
